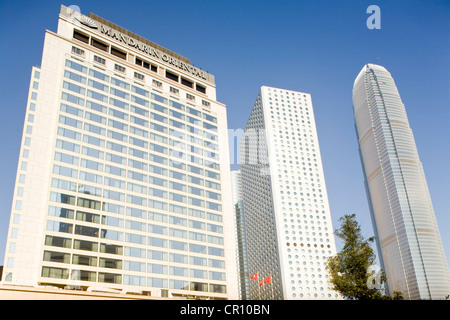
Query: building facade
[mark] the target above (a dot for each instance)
(409, 244)
(123, 180)
(289, 232)
(241, 246)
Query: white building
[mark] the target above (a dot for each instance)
(123, 179)
(289, 232)
(408, 239)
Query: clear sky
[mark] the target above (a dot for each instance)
(310, 46)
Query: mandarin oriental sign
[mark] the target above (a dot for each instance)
(152, 52)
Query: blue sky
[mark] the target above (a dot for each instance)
(311, 46)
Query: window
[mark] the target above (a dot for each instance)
(179, 284)
(111, 235)
(197, 248)
(71, 98)
(88, 217)
(140, 91)
(84, 260)
(177, 233)
(109, 278)
(200, 88)
(171, 76)
(58, 241)
(135, 252)
(134, 238)
(146, 65)
(197, 261)
(69, 109)
(153, 228)
(197, 236)
(98, 85)
(157, 242)
(59, 226)
(120, 83)
(139, 76)
(157, 268)
(139, 100)
(118, 53)
(75, 77)
(119, 68)
(197, 286)
(86, 231)
(216, 251)
(178, 271)
(99, 60)
(178, 245)
(87, 203)
(174, 91)
(85, 245)
(112, 221)
(58, 273)
(111, 248)
(187, 83)
(76, 66)
(99, 45)
(80, 36)
(179, 258)
(195, 273)
(95, 95)
(78, 51)
(157, 84)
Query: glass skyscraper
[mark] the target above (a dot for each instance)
(408, 239)
(123, 180)
(288, 227)
(241, 246)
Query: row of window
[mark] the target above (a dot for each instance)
(135, 212)
(136, 225)
(101, 86)
(138, 61)
(139, 111)
(114, 81)
(157, 188)
(137, 164)
(122, 161)
(177, 158)
(179, 148)
(127, 265)
(157, 192)
(69, 228)
(139, 226)
(113, 278)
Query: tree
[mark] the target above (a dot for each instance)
(350, 268)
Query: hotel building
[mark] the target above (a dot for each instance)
(409, 244)
(288, 227)
(123, 179)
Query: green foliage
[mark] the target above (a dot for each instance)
(349, 268)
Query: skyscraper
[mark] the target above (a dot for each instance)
(289, 232)
(408, 239)
(241, 246)
(123, 180)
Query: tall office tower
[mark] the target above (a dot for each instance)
(408, 240)
(241, 250)
(288, 225)
(123, 179)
